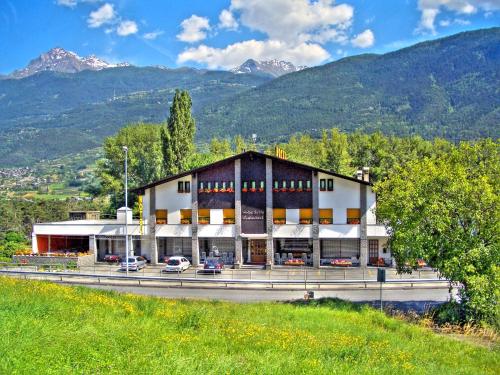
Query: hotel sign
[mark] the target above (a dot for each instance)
(253, 220)
(252, 214)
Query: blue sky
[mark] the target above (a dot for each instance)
(224, 33)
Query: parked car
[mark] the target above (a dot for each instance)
(135, 263)
(177, 264)
(213, 264)
(112, 258)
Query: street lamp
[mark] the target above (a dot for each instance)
(125, 149)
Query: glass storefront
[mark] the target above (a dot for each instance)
(213, 247)
(293, 251)
(170, 246)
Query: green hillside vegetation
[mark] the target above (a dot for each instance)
(48, 328)
(448, 87)
(49, 115)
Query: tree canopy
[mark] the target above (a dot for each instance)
(178, 136)
(445, 209)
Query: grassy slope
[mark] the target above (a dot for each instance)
(48, 328)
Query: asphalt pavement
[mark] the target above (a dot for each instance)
(404, 298)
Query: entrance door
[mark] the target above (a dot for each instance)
(258, 251)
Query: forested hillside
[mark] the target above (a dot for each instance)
(51, 114)
(448, 87)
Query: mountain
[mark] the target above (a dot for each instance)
(60, 60)
(274, 68)
(52, 114)
(448, 87)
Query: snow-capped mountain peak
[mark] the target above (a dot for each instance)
(60, 60)
(273, 67)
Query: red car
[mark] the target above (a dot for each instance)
(215, 265)
(111, 258)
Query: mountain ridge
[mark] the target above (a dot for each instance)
(274, 68)
(60, 60)
(448, 87)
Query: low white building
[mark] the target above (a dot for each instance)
(249, 208)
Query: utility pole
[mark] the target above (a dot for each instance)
(125, 148)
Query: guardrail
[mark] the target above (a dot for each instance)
(299, 273)
(60, 276)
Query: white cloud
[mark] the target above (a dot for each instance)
(292, 20)
(105, 14)
(194, 29)
(431, 8)
(67, 3)
(227, 20)
(364, 40)
(294, 30)
(153, 35)
(127, 28)
(235, 54)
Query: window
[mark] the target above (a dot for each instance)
(180, 187)
(203, 216)
(279, 216)
(245, 187)
(216, 187)
(201, 186)
(292, 185)
(187, 186)
(306, 216)
(161, 216)
(330, 184)
(261, 186)
(283, 184)
(325, 216)
(353, 216)
(186, 216)
(253, 186)
(276, 186)
(300, 185)
(348, 248)
(229, 215)
(308, 185)
(322, 185)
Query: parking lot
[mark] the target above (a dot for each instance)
(277, 273)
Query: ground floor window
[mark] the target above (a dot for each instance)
(170, 246)
(115, 245)
(213, 247)
(62, 244)
(348, 249)
(293, 251)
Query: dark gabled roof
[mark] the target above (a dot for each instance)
(223, 161)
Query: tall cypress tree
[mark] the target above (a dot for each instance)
(178, 135)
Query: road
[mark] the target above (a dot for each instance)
(404, 298)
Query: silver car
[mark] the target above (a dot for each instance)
(134, 263)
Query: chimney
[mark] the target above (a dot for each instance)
(359, 174)
(366, 174)
(121, 213)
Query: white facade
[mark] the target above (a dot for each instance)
(346, 194)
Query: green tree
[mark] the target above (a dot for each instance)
(144, 160)
(446, 210)
(220, 148)
(336, 152)
(178, 135)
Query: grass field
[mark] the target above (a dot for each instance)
(49, 328)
